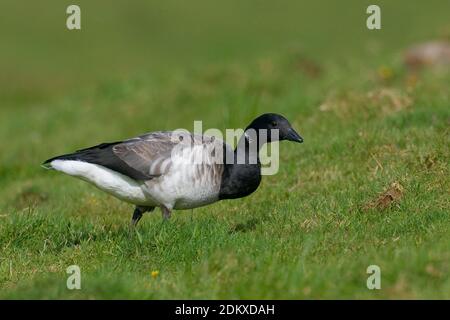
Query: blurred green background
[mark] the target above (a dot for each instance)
(39, 56)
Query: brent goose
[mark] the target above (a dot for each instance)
(156, 169)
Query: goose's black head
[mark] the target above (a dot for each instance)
(272, 122)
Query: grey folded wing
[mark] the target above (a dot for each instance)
(152, 154)
(149, 154)
(144, 157)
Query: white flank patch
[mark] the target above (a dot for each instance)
(105, 179)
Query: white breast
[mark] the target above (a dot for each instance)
(188, 184)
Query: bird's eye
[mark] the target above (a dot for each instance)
(274, 123)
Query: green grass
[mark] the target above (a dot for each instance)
(306, 233)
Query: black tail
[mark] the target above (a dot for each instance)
(92, 154)
(103, 155)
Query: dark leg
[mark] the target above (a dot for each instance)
(165, 213)
(137, 214)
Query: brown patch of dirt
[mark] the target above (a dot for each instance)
(390, 100)
(378, 102)
(30, 197)
(432, 53)
(307, 66)
(343, 104)
(386, 199)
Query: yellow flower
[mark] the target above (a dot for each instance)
(385, 73)
(155, 274)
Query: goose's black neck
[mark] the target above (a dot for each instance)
(242, 169)
(242, 173)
